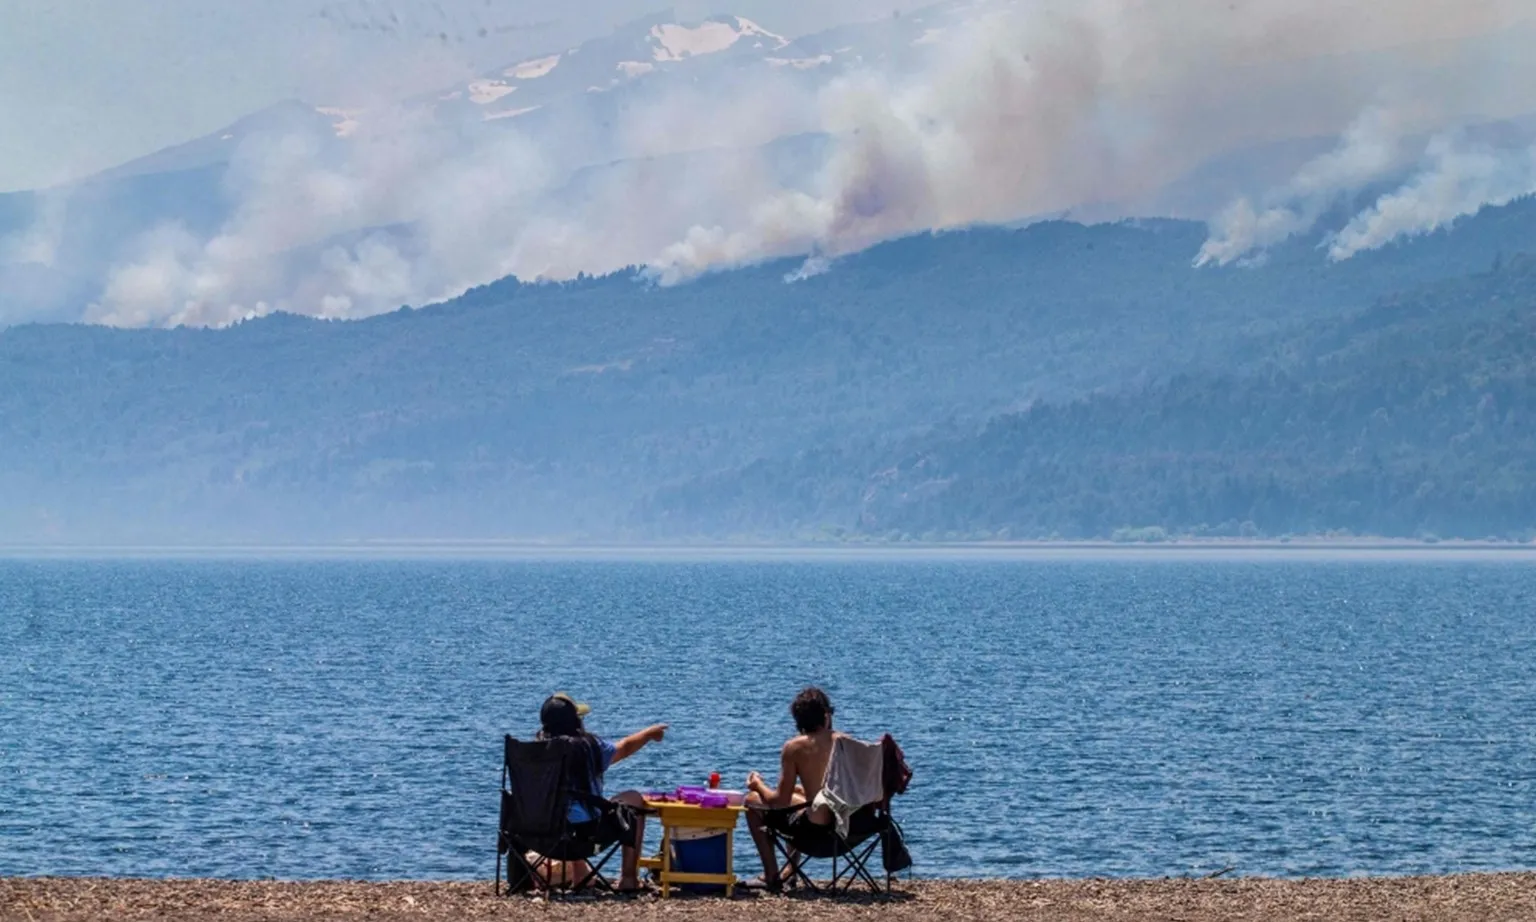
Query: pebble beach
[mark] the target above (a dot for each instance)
(1462, 898)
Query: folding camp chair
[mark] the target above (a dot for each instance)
(797, 840)
(539, 781)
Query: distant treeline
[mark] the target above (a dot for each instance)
(1416, 417)
(1056, 379)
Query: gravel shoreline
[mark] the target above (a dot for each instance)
(1460, 898)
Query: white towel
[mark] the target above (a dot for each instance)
(854, 780)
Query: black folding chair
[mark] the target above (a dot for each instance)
(799, 842)
(539, 781)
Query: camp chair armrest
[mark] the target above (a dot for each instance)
(599, 804)
(588, 799)
(790, 810)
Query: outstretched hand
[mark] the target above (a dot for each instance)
(638, 740)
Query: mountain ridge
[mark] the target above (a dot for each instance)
(1407, 419)
(556, 410)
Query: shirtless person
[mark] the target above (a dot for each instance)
(802, 772)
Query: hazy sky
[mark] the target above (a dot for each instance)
(87, 84)
(1004, 110)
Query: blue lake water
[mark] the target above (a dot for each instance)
(1089, 718)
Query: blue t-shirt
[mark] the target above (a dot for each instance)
(578, 812)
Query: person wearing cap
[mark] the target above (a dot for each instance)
(564, 716)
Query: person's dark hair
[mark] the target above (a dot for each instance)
(811, 710)
(559, 718)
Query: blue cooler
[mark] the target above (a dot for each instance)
(699, 851)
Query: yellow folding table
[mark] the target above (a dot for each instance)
(676, 815)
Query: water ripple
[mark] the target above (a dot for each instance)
(312, 720)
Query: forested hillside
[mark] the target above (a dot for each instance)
(612, 408)
(1416, 418)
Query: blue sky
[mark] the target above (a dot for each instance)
(86, 84)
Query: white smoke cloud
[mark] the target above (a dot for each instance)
(296, 194)
(1020, 110)
(462, 210)
(1458, 180)
(997, 126)
(1027, 111)
(1370, 149)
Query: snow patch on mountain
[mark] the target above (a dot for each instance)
(510, 113)
(800, 63)
(344, 121)
(673, 42)
(534, 69)
(485, 92)
(748, 27)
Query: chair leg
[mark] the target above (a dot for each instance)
(868, 878)
(838, 875)
(850, 867)
(537, 879)
(794, 864)
(595, 869)
(858, 869)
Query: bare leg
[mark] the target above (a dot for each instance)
(561, 874)
(760, 836)
(761, 840)
(629, 874)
